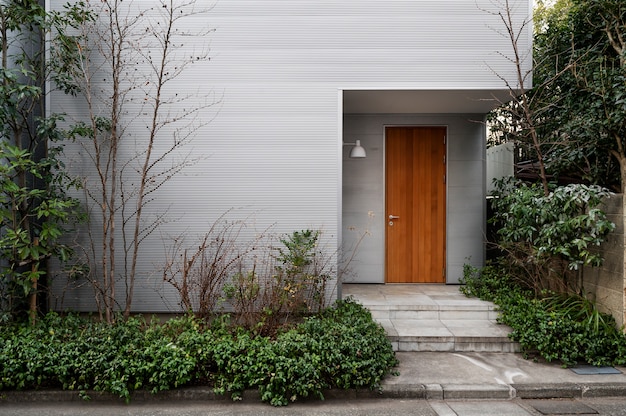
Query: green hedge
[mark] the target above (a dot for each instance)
(342, 347)
(566, 328)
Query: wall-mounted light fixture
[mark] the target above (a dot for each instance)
(357, 151)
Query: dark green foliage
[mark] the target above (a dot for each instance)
(341, 348)
(35, 208)
(577, 100)
(302, 273)
(298, 251)
(489, 283)
(541, 326)
(548, 237)
(353, 347)
(566, 328)
(565, 223)
(580, 52)
(78, 354)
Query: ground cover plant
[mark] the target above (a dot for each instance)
(341, 347)
(557, 327)
(545, 241)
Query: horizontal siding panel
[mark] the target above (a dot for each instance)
(269, 150)
(444, 42)
(347, 8)
(426, 69)
(277, 173)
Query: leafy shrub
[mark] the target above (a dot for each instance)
(546, 237)
(342, 347)
(546, 240)
(264, 284)
(35, 207)
(354, 348)
(489, 283)
(556, 334)
(566, 328)
(302, 272)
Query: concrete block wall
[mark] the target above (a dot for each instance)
(607, 283)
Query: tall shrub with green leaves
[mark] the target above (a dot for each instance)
(34, 206)
(302, 271)
(549, 238)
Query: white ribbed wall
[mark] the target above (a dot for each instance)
(272, 147)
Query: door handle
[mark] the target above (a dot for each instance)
(394, 217)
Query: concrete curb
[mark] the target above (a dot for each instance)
(569, 390)
(397, 391)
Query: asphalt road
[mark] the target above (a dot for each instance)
(382, 407)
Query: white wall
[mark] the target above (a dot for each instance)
(271, 149)
(430, 43)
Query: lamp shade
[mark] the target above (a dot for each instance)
(358, 150)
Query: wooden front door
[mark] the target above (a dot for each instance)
(415, 204)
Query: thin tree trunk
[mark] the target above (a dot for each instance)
(527, 112)
(145, 170)
(32, 309)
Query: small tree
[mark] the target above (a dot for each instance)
(129, 60)
(548, 233)
(534, 119)
(580, 82)
(34, 207)
(517, 118)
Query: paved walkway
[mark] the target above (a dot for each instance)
(447, 359)
(485, 375)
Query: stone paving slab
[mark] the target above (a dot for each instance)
(490, 368)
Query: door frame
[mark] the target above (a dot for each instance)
(446, 190)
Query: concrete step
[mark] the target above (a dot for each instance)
(422, 317)
(448, 336)
(444, 328)
(478, 310)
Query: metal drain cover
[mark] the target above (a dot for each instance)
(591, 370)
(562, 407)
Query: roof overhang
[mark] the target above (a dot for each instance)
(423, 101)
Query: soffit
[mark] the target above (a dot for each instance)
(422, 101)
